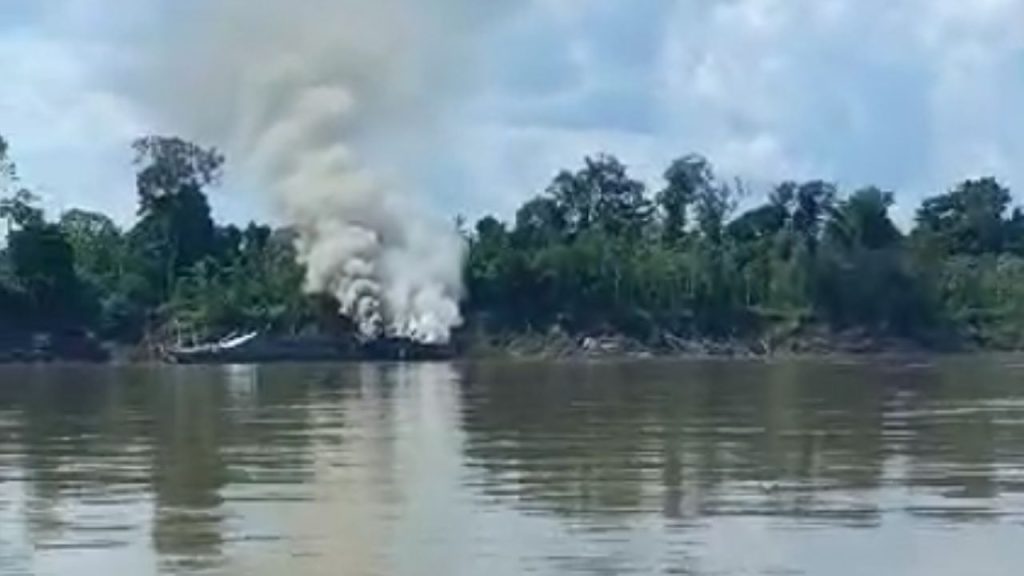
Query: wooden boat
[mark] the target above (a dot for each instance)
(222, 350)
(255, 348)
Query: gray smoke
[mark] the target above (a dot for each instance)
(294, 90)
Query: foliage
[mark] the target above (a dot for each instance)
(175, 230)
(969, 219)
(174, 270)
(807, 254)
(594, 252)
(257, 286)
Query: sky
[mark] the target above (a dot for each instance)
(909, 95)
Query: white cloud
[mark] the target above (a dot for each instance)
(908, 94)
(66, 134)
(912, 94)
(69, 123)
(976, 50)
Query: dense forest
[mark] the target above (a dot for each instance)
(596, 252)
(174, 273)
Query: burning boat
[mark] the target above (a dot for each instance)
(254, 347)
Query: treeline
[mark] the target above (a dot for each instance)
(598, 251)
(174, 274)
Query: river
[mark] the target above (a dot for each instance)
(716, 468)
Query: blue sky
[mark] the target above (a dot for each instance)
(911, 95)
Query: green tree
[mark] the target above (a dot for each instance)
(43, 267)
(20, 210)
(686, 179)
(97, 245)
(259, 287)
(812, 205)
(967, 220)
(602, 194)
(713, 206)
(175, 228)
(539, 222)
(862, 221)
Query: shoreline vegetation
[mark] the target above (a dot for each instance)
(596, 265)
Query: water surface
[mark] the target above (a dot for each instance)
(699, 468)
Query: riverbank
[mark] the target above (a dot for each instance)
(46, 347)
(559, 344)
(553, 344)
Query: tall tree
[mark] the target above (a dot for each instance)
(602, 194)
(968, 219)
(685, 179)
(713, 207)
(97, 244)
(20, 210)
(175, 228)
(812, 205)
(43, 266)
(539, 222)
(862, 221)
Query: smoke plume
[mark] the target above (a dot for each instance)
(293, 90)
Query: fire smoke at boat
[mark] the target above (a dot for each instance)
(293, 91)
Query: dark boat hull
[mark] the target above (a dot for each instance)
(313, 349)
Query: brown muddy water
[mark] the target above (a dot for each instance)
(717, 468)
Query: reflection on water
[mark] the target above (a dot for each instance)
(672, 468)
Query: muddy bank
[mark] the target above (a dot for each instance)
(553, 344)
(43, 347)
(559, 344)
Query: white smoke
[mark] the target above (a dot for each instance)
(293, 89)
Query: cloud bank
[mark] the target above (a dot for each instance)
(909, 94)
